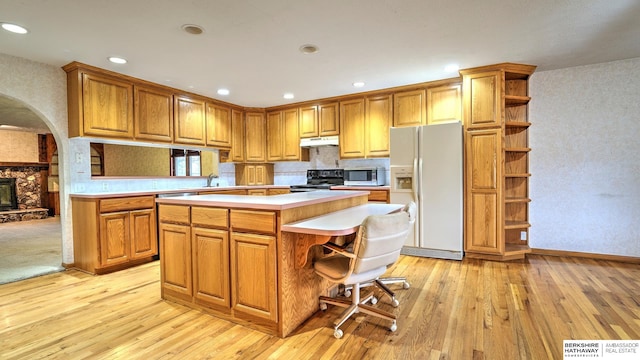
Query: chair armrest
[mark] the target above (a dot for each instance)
(340, 250)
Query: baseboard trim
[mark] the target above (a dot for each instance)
(618, 258)
(68, 266)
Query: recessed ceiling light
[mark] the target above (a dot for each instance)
(193, 29)
(223, 91)
(17, 29)
(309, 49)
(288, 96)
(358, 84)
(452, 68)
(117, 60)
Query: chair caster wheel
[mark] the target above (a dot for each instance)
(393, 327)
(395, 302)
(347, 293)
(406, 285)
(323, 306)
(338, 333)
(374, 300)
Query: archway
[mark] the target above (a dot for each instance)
(31, 239)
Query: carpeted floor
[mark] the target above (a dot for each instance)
(30, 248)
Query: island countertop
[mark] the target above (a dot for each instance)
(274, 202)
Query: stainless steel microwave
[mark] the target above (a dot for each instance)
(369, 176)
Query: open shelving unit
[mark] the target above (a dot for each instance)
(496, 119)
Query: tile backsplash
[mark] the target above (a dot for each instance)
(295, 172)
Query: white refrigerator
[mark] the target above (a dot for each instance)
(426, 167)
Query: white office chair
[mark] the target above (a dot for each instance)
(377, 246)
(381, 283)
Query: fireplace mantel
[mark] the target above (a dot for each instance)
(39, 165)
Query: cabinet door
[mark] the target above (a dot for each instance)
(261, 175)
(483, 184)
(409, 108)
(328, 120)
(352, 129)
(444, 104)
(189, 120)
(218, 126)
(107, 106)
(379, 114)
(482, 104)
(211, 267)
(237, 136)
(275, 133)
(290, 138)
(153, 117)
(308, 121)
(175, 255)
(144, 242)
(253, 275)
(250, 174)
(255, 138)
(114, 238)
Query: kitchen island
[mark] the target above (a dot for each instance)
(228, 255)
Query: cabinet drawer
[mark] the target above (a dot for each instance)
(378, 195)
(213, 217)
(177, 214)
(124, 204)
(253, 221)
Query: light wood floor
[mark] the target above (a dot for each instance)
(454, 310)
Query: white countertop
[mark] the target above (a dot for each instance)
(341, 222)
(172, 191)
(272, 202)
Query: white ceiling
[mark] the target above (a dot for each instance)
(251, 47)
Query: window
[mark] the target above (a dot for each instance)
(185, 162)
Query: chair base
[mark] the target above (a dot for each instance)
(382, 283)
(354, 306)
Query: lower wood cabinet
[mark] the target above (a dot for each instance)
(175, 256)
(210, 251)
(253, 275)
(204, 262)
(113, 233)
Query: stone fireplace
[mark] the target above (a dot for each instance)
(22, 189)
(8, 199)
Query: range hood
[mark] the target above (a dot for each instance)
(319, 141)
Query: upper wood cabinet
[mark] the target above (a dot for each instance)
(409, 108)
(444, 104)
(189, 120)
(275, 135)
(328, 119)
(482, 100)
(218, 126)
(308, 121)
(237, 136)
(283, 141)
(352, 129)
(255, 137)
(319, 120)
(153, 116)
(254, 174)
(99, 105)
(364, 127)
(379, 115)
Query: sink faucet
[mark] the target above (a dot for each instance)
(210, 178)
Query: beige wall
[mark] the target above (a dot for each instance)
(120, 160)
(585, 169)
(18, 146)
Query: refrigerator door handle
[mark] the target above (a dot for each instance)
(414, 181)
(416, 166)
